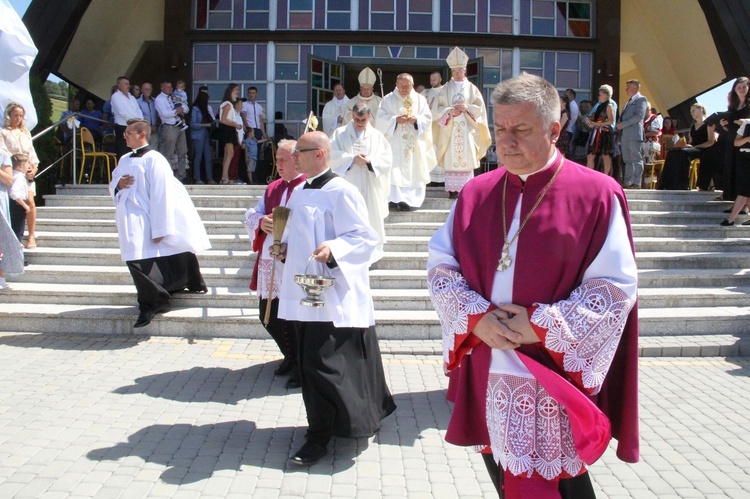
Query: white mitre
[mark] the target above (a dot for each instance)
(366, 77)
(457, 58)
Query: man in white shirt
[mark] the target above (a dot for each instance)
(570, 129)
(334, 110)
(124, 108)
(255, 131)
(172, 142)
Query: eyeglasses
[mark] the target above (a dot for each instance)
(130, 132)
(299, 151)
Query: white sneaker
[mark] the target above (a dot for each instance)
(3, 284)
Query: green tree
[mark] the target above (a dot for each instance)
(45, 145)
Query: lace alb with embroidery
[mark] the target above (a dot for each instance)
(529, 431)
(454, 302)
(586, 328)
(264, 277)
(252, 222)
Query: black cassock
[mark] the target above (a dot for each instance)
(343, 382)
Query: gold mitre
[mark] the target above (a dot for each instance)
(457, 58)
(366, 77)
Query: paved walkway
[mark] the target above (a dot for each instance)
(95, 416)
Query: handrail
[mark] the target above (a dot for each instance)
(74, 143)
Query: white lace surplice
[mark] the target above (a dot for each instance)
(529, 431)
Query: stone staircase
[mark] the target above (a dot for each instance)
(694, 275)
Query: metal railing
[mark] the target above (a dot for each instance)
(73, 142)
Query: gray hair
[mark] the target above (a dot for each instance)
(286, 143)
(530, 89)
(361, 109)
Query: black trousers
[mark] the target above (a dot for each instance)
(343, 383)
(17, 219)
(280, 330)
(121, 146)
(578, 487)
(156, 279)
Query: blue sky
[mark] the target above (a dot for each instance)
(714, 100)
(20, 5)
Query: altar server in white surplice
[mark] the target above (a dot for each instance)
(343, 382)
(406, 121)
(334, 110)
(362, 155)
(158, 227)
(464, 135)
(366, 82)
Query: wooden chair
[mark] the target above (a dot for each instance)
(693, 175)
(653, 170)
(88, 151)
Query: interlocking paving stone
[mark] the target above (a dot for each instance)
(117, 416)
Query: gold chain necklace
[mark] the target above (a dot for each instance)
(504, 262)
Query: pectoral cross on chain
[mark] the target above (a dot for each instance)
(504, 262)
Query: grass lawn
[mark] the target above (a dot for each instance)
(58, 106)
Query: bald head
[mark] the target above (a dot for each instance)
(313, 153)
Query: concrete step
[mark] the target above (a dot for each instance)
(200, 201)
(191, 322)
(221, 277)
(240, 241)
(391, 324)
(236, 226)
(237, 295)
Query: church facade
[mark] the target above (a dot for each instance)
(294, 51)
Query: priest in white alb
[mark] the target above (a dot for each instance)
(437, 175)
(406, 121)
(365, 95)
(334, 110)
(463, 133)
(362, 155)
(158, 226)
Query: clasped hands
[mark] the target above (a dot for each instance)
(405, 119)
(506, 327)
(457, 109)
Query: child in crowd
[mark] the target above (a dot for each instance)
(180, 98)
(19, 194)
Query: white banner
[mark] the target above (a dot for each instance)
(17, 53)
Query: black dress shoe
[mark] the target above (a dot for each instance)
(284, 368)
(746, 222)
(403, 206)
(308, 454)
(726, 223)
(392, 207)
(144, 318)
(294, 381)
(452, 195)
(743, 211)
